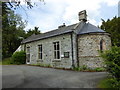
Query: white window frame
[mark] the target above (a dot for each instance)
(28, 53)
(40, 52)
(56, 51)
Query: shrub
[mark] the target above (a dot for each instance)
(109, 83)
(112, 60)
(6, 61)
(18, 58)
(81, 68)
(99, 69)
(77, 68)
(84, 67)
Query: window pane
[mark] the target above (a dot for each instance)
(54, 46)
(66, 54)
(28, 57)
(56, 50)
(41, 48)
(58, 54)
(101, 45)
(55, 54)
(39, 51)
(28, 49)
(38, 55)
(57, 46)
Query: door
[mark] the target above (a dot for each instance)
(28, 55)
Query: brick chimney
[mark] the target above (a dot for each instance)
(82, 16)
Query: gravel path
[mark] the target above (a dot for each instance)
(23, 76)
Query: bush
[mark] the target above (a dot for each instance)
(77, 68)
(6, 61)
(19, 58)
(109, 83)
(112, 60)
(99, 69)
(85, 68)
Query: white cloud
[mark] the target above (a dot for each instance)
(111, 2)
(56, 12)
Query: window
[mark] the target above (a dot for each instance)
(102, 45)
(39, 51)
(56, 50)
(66, 54)
(28, 49)
(28, 54)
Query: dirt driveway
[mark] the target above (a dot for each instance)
(23, 76)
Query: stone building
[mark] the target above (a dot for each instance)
(68, 46)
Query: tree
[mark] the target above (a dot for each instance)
(17, 3)
(12, 30)
(113, 27)
(112, 60)
(112, 56)
(32, 31)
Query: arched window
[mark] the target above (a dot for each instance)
(102, 45)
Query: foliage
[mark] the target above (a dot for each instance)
(77, 68)
(81, 68)
(12, 31)
(85, 68)
(109, 83)
(112, 60)
(99, 69)
(32, 31)
(19, 57)
(6, 61)
(17, 3)
(113, 28)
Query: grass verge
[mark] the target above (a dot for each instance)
(104, 83)
(6, 61)
(108, 82)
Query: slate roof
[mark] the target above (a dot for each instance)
(59, 31)
(87, 28)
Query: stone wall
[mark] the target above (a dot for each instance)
(89, 47)
(48, 51)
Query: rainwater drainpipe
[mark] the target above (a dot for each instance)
(72, 50)
(77, 51)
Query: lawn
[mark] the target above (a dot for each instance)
(6, 61)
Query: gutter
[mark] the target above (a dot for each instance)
(29, 41)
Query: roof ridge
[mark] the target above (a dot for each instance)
(60, 28)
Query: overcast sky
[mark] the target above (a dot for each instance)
(53, 13)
